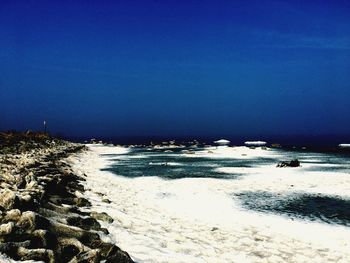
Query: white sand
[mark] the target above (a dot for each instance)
(197, 220)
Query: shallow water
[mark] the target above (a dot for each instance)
(328, 209)
(175, 163)
(226, 204)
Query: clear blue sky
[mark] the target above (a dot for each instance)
(104, 68)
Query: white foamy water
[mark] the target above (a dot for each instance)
(198, 220)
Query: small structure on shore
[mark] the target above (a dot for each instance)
(255, 143)
(344, 145)
(222, 142)
(45, 126)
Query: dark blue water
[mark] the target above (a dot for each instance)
(171, 163)
(315, 207)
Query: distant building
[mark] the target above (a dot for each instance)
(255, 143)
(222, 142)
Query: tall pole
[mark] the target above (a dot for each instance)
(45, 126)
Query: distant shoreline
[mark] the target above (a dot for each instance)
(304, 143)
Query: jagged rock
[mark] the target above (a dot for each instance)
(292, 163)
(104, 230)
(102, 216)
(12, 215)
(113, 253)
(20, 182)
(82, 202)
(11, 248)
(33, 222)
(70, 247)
(8, 199)
(43, 239)
(62, 230)
(91, 256)
(84, 223)
(39, 254)
(29, 221)
(90, 239)
(58, 209)
(26, 202)
(68, 252)
(6, 229)
(118, 256)
(105, 200)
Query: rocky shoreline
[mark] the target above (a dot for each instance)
(41, 215)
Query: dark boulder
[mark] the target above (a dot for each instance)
(105, 200)
(8, 199)
(102, 216)
(292, 163)
(84, 223)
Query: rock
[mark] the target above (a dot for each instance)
(11, 248)
(108, 249)
(70, 247)
(6, 229)
(104, 230)
(102, 216)
(62, 230)
(119, 256)
(276, 145)
(39, 196)
(105, 200)
(39, 254)
(43, 239)
(114, 253)
(12, 215)
(20, 182)
(292, 163)
(68, 252)
(82, 202)
(84, 223)
(90, 239)
(8, 199)
(91, 256)
(30, 221)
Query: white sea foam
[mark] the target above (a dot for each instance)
(165, 164)
(240, 152)
(197, 220)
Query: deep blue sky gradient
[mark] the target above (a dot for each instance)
(114, 68)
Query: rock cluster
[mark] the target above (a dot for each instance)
(292, 163)
(40, 215)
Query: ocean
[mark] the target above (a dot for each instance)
(222, 204)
